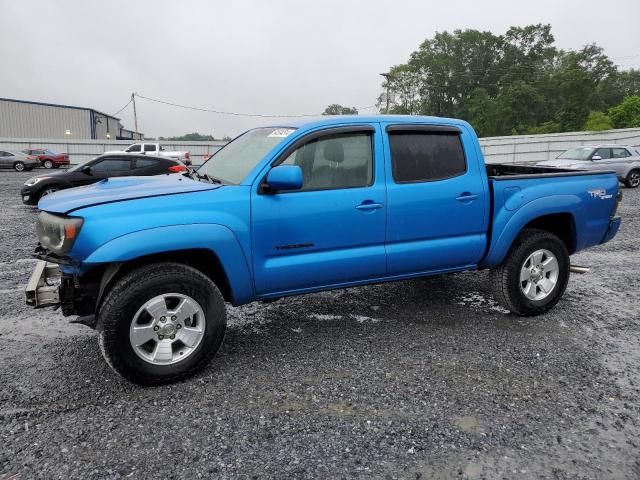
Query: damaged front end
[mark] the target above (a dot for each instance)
(43, 289)
(56, 282)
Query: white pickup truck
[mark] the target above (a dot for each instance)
(157, 149)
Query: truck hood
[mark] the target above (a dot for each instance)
(120, 189)
(565, 163)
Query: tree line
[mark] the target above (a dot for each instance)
(515, 83)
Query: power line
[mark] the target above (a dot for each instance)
(221, 112)
(130, 100)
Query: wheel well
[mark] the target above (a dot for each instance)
(561, 225)
(203, 260)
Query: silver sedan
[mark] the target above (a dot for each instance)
(622, 159)
(17, 160)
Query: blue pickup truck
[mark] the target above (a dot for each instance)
(308, 206)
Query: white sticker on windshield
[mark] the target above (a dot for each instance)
(282, 132)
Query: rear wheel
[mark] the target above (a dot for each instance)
(47, 164)
(161, 323)
(18, 166)
(633, 179)
(533, 277)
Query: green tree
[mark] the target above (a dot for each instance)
(517, 82)
(627, 114)
(597, 121)
(191, 137)
(336, 109)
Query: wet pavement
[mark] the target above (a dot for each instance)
(419, 379)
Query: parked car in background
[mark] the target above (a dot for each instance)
(17, 160)
(622, 159)
(157, 149)
(104, 166)
(48, 158)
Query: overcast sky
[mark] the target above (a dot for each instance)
(272, 56)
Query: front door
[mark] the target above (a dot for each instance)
(331, 232)
(436, 199)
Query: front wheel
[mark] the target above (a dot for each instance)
(161, 323)
(47, 164)
(18, 166)
(49, 190)
(534, 275)
(633, 179)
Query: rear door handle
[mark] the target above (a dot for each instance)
(467, 197)
(369, 206)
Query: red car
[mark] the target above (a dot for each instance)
(48, 158)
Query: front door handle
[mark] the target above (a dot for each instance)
(369, 206)
(467, 197)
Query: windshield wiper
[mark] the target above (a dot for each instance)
(207, 177)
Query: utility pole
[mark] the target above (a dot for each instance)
(135, 114)
(386, 77)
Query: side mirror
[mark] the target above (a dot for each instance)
(86, 170)
(285, 177)
(596, 157)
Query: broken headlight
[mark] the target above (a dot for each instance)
(56, 232)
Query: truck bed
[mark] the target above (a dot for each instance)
(523, 170)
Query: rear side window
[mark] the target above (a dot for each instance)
(419, 156)
(149, 147)
(145, 163)
(620, 153)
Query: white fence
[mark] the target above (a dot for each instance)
(80, 151)
(531, 148)
(516, 148)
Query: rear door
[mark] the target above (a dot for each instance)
(331, 232)
(149, 148)
(436, 199)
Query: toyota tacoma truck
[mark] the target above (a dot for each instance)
(304, 207)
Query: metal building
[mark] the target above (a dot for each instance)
(26, 119)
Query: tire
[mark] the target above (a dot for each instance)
(633, 179)
(123, 304)
(506, 279)
(47, 164)
(48, 190)
(19, 167)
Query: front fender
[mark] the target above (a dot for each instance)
(510, 224)
(217, 238)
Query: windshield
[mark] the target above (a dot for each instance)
(580, 153)
(236, 159)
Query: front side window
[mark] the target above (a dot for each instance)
(342, 160)
(134, 148)
(112, 165)
(422, 156)
(603, 153)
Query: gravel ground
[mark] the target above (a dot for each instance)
(419, 379)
